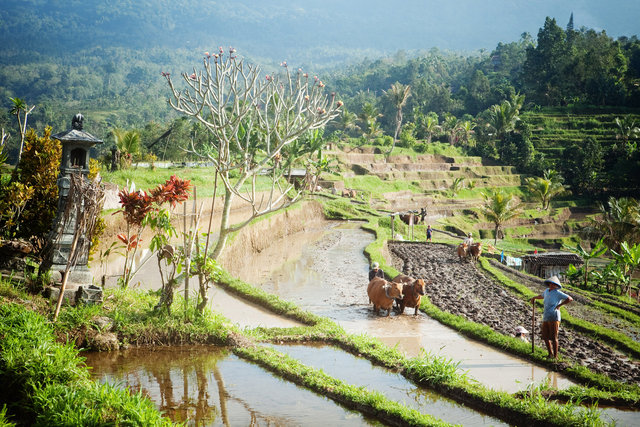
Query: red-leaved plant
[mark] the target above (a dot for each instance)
(141, 209)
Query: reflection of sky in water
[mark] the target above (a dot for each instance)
(313, 285)
(361, 372)
(189, 383)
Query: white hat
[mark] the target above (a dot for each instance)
(554, 280)
(470, 234)
(521, 330)
(375, 265)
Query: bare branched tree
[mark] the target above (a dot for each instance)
(21, 110)
(256, 121)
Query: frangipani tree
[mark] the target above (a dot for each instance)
(255, 121)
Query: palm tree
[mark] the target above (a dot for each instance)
(369, 118)
(431, 127)
(545, 188)
(465, 130)
(451, 127)
(373, 129)
(503, 118)
(128, 143)
(347, 121)
(398, 96)
(499, 207)
(368, 113)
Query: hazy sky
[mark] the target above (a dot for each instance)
(327, 30)
(450, 24)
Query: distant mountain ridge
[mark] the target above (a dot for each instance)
(292, 29)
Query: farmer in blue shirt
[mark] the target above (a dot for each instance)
(553, 298)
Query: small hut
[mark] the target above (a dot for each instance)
(549, 264)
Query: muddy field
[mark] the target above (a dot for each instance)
(463, 289)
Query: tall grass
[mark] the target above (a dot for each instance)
(44, 383)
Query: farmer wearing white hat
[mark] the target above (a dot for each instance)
(521, 333)
(469, 240)
(553, 298)
(375, 271)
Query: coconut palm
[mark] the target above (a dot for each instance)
(368, 113)
(347, 121)
(465, 130)
(128, 142)
(398, 95)
(430, 127)
(499, 207)
(451, 126)
(546, 188)
(503, 118)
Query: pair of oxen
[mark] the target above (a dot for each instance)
(404, 290)
(472, 251)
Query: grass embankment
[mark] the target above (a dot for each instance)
(44, 382)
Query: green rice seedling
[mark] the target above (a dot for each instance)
(366, 401)
(90, 403)
(435, 369)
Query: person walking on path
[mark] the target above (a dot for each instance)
(375, 271)
(429, 232)
(553, 299)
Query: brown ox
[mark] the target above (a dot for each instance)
(417, 217)
(349, 193)
(412, 291)
(463, 251)
(475, 250)
(383, 293)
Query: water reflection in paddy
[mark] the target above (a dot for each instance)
(329, 278)
(209, 386)
(361, 372)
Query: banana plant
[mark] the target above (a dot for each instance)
(596, 251)
(629, 260)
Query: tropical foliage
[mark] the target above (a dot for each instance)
(499, 207)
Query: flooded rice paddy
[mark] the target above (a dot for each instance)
(323, 270)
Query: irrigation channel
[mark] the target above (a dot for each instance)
(324, 271)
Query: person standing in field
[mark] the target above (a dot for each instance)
(553, 299)
(429, 232)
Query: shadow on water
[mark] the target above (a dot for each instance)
(210, 386)
(360, 372)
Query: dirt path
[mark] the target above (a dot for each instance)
(461, 288)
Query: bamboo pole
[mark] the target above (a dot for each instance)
(533, 325)
(186, 257)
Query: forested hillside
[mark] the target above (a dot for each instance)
(105, 59)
